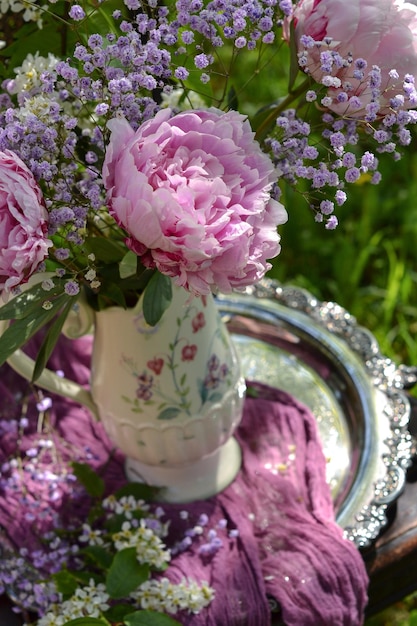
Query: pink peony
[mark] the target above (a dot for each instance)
(382, 32)
(193, 193)
(23, 222)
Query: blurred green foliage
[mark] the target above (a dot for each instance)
(402, 613)
(369, 263)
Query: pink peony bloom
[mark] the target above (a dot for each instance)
(23, 222)
(381, 32)
(193, 193)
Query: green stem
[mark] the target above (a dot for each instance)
(282, 106)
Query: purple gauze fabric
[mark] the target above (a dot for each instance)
(289, 545)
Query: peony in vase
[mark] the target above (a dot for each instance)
(188, 197)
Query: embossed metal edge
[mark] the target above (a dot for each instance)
(390, 379)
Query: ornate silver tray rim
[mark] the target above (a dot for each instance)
(383, 406)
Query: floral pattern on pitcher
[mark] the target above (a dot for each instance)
(179, 361)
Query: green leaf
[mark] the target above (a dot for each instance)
(138, 490)
(51, 339)
(99, 555)
(150, 618)
(215, 397)
(112, 292)
(252, 392)
(232, 101)
(66, 582)
(170, 413)
(30, 301)
(19, 333)
(156, 298)
(30, 38)
(105, 249)
(117, 613)
(125, 574)
(88, 621)
(128, 265)
(91, 481)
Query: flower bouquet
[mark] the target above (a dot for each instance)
(141, 145)
(124, 159)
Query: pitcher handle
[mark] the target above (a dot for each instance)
(77, 325)
(48, 380)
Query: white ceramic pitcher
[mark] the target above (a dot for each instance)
(169, 396)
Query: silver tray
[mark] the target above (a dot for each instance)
(317, 352)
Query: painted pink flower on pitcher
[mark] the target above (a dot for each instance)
(382, 33)
(193, 193)
(156, 365)
(23, 222)
(198, 322)
(188, 352)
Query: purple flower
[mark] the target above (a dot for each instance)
(72, 288)
(76, 12)
(326, 207)
(202, 61)
(193, 191)
(332, 222)
(352, 174)
(181, 73)
(340, 197)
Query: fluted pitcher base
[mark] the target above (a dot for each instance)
(193, 481)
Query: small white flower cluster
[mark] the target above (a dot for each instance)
(92, 600)
(89, 601)
(31, 11)
(163, 595)
(125, 505)
(91, 536)
(39, 106)
(149, 547)
(28, 75)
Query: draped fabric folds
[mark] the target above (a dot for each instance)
(281, 539)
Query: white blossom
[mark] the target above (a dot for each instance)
(163, 595)
(149, 547)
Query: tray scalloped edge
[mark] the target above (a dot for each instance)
(389, 378)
